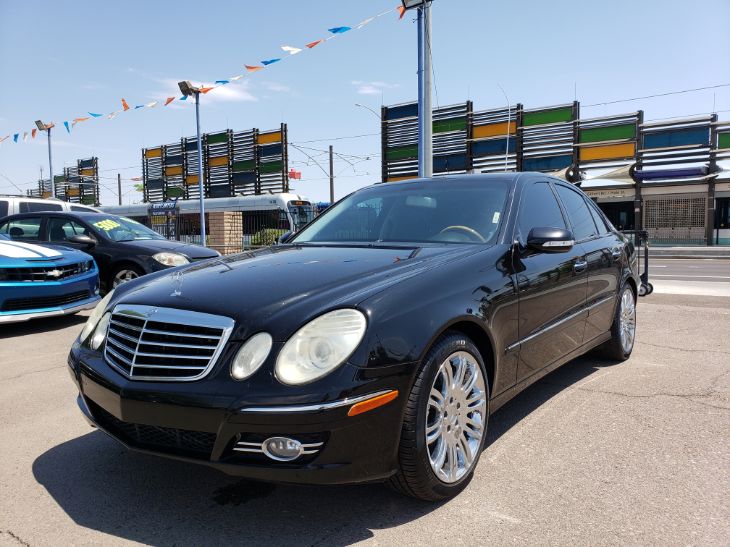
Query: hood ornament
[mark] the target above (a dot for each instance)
(177, 279)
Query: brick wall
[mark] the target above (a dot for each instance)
(225, 231)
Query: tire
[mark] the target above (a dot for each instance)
(623, 329)
(124, 273)
(457, 422)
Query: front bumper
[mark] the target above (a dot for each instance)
(199, 424)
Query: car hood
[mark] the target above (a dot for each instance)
(279, 288)
(17, 254)
(152, 246)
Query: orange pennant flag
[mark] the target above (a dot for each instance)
(77, 120)
(169, 100)
(310, 45)
(402, 11)
(205, 90)
(253, 68)
(32, 133)
(125, 106)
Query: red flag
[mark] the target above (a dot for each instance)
(297, 175)
(169, 100)
(310, 45)
(402, 12)
(77, 120)
(205, 90)
(253, 68)
(125, 106)
(32, 133)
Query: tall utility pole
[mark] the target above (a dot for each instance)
(119, 187)
(50, 165)
(425, 116)
(189, 90)
(332, 176)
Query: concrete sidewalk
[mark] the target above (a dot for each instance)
(690, 252)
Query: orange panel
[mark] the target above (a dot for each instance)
(173, 170)
(72, 191)
(88, 172)
(396, 179)
(218, 162)
(267, 138)
(153, 153)
(494, 129)
(607, 152)
(191, 179)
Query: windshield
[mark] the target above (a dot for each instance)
(301, 212)
(123, 229)
(430, 212)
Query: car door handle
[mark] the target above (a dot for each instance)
(580, 265)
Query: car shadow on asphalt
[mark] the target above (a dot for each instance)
(38, 326)
(104, 487)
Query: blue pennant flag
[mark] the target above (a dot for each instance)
(270, 61)
(339, 30)
(95, 115)
(184, 98)
(223, 82)
(65, 124)
(15, 137)
(139, 106)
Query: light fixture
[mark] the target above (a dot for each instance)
(187, 89)
(410, 4)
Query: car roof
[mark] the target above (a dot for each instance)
(71, 214)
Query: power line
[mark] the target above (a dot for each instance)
(657, 95)
(337, 138)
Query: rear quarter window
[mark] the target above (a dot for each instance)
(35, 206)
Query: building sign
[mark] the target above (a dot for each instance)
(605, 194)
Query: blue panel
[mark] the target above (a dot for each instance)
(405, 111)
(174, 160)
(246, 177)
(219, 191)
(550, 163)
(84, 164)
(492, 147)
(686, 172)
(155, 184)
(271, 150)
(191, 145)
(677, 137)
(454, 162)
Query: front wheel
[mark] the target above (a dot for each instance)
(623, 329)
(445, 422)
(124, 273)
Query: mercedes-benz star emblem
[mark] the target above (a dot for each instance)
(177, 279)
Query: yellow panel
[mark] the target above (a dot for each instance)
(153, 153)
(46, 194)
(494, 129)
(191, 179)
(88, 172)
(396, 179)
(267, 138)
(173, 170)
(607, 152)
(218, 162)
(72, 191)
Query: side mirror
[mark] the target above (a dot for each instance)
(283, 238)
(550, 240)
(81, 239)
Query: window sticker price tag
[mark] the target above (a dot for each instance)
(107, 224)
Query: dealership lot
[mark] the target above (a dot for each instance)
(637, 452)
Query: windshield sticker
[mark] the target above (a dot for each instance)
(107, 225)
(495, 218)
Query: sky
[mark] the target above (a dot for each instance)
(61, 60)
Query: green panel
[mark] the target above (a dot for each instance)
(456, 124)
(248, 165)
(723, 140)
(216, 138)
(59, 178)
(273, 167)
(401, 153)
(613, 133)
(547, 116)
(88, 200)
(175, 192)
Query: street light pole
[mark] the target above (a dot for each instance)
(425, 115)
(50, 164)
(201, 186)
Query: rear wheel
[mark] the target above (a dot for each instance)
(623, 329)
(445, 423)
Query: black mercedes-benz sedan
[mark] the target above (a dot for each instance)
(370, 346)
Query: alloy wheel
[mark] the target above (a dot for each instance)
(456, 417)
(122, 276)
(627, 319)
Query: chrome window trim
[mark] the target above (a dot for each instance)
(174, 316)
(313, 407)
(558, 323)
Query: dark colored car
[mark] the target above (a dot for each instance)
(373, 344)
(123, 249)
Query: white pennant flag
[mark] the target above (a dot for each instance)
(365, 22)
(25, 136)
(236, 78)
(152, 104)
(291, 50)
(112, 115)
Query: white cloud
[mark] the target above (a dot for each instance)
(276, 86)
(372, 88)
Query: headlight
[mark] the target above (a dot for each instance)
(320, 346)
(170, 259)
(95, 316)
(251, 356)
(100, 332)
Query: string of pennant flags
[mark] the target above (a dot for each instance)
(334, 32)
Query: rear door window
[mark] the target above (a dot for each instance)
(4, 206)
(578, 213)
(22, 229)
(35, 206)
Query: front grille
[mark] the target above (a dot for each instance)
(34, 303)
(44, 274)
(149, 343)
(197, 444)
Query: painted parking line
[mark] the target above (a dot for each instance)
(692, 276)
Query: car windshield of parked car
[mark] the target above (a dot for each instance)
(434, 212)
(123, 229)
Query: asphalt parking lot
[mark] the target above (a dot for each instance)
(595, 453)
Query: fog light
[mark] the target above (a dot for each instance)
(282, 449)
